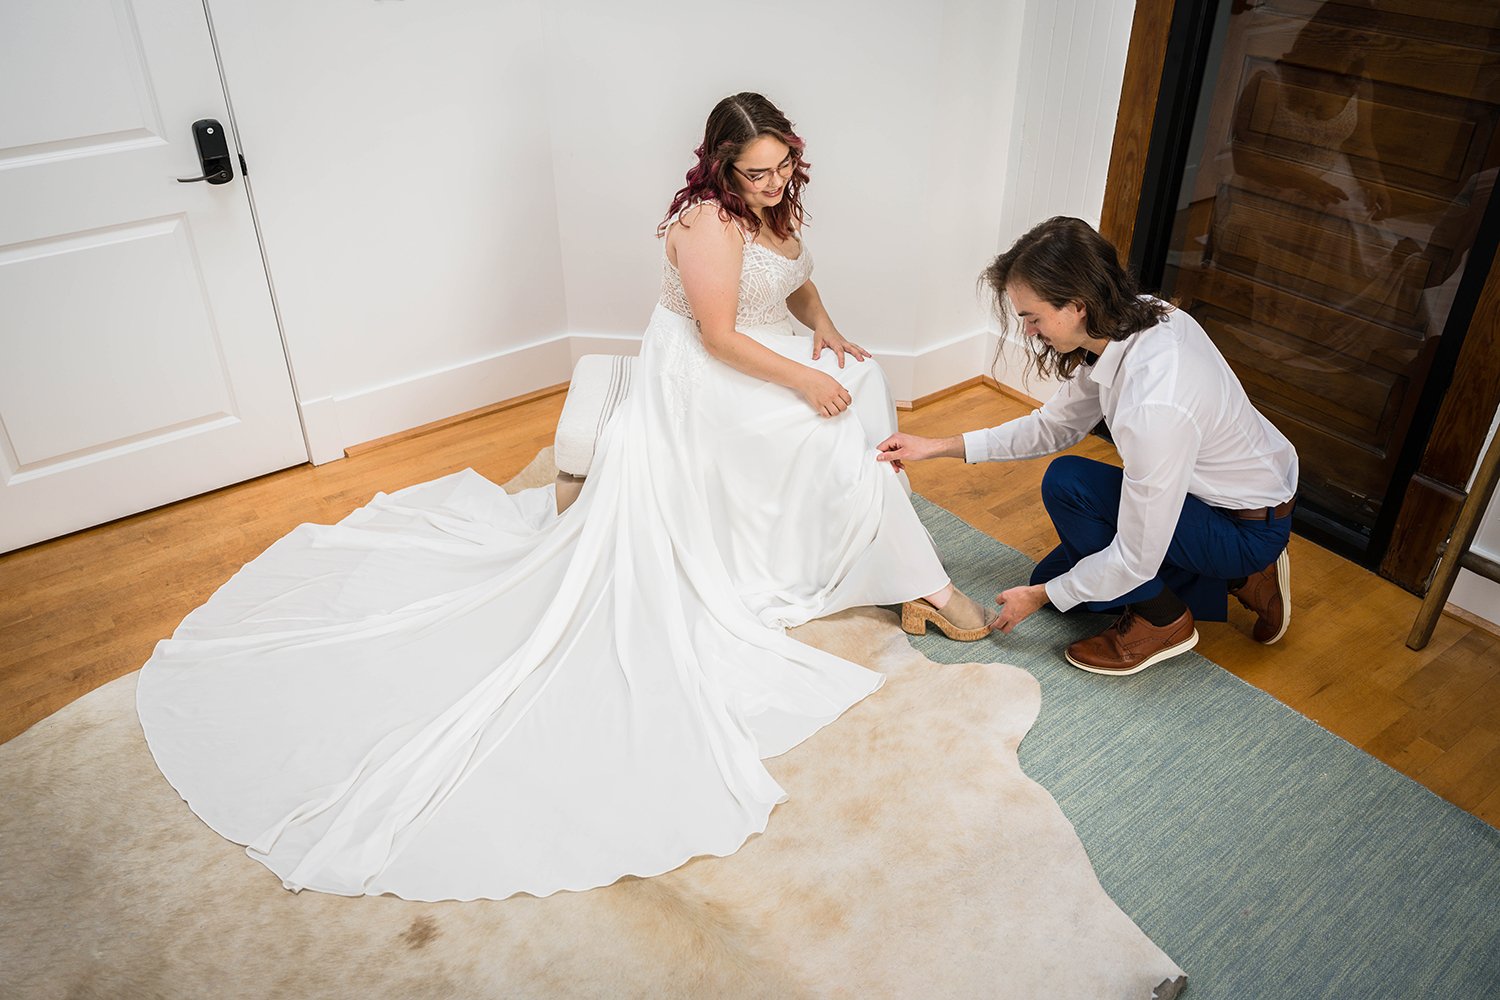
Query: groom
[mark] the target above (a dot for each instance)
(1202, 507)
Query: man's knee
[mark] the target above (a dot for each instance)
(1069, 477)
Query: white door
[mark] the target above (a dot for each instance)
(140, 360)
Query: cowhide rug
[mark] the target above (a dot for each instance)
(913, 859)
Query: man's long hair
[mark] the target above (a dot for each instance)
(1063, 260)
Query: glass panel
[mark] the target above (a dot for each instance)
(1339, 167)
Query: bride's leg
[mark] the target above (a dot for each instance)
(941, 597)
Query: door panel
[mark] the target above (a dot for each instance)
(1343, 158)
(161, 370)
(88, 58)
(140, 361)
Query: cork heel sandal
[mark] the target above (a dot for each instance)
(915, 615)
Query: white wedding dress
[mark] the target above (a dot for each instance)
(454, 693)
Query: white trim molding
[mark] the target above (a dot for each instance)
(334, 423)
(337, 422)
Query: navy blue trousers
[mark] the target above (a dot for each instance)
(1209, 547)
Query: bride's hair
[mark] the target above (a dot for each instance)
(733, 124)
(1064, 260)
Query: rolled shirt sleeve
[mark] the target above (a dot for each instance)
(1159, 444)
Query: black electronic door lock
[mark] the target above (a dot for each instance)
(213, 153)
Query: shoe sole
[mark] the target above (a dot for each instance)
(1284, 582)
(1157, 657)
(914, 620)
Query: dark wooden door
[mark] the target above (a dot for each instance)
(1342, 158)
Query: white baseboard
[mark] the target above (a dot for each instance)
(948, 363)
(336, 422)
(324, 433)
(1477, 595)
(911, 374)
(580, 344)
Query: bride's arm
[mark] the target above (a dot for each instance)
(807, 306)
(709, 253)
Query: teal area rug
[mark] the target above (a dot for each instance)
(1267, 856)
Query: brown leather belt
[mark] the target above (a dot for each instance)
(1264, 513)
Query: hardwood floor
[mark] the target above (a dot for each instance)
(82, 610)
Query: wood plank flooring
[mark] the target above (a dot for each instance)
(82, 610)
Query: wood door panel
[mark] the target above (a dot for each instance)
(1438, 142)
(1430, 143)
(1346, 153)
(1474, 21)
(1351, 470)
(1302, 318)
(1452, 56)
(1319, 256)
(1431, 73)
(1350, 407)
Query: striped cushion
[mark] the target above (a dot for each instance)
(600, 382)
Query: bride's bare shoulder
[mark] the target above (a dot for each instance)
(709, 215)
(704, 227)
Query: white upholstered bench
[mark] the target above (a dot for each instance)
(600, 383)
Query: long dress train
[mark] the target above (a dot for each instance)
(454, 693)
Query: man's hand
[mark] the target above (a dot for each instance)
(900, 448)
(1016, 604)
(1377, 200)
(1321, 191)
(834, 341)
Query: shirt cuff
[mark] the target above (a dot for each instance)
(975, 449)
(1060, 594)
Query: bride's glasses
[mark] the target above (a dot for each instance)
(760, 178)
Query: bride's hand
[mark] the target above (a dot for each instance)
(835, 341)
(824, 394)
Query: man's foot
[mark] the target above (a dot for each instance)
(1269, 594)
(961, 617)
(1132, 644)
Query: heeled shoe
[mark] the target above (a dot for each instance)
(960, 619)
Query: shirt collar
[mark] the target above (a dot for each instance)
(1108, 365)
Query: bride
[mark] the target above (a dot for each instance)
(454, 693)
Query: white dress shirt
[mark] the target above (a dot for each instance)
(1182, 424)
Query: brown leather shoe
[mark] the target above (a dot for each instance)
(1269, 594)
(1132, 644)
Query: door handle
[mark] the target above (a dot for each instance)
(213, 153)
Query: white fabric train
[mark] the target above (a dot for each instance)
(454, 693)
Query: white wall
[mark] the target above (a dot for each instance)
(401, 170)
(456, 200)
(905, 108)
(1471, 591)
(1072, 64)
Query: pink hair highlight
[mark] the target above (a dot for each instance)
(733, 124)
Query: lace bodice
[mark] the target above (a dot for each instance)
(766, 279)
(1324, 137)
